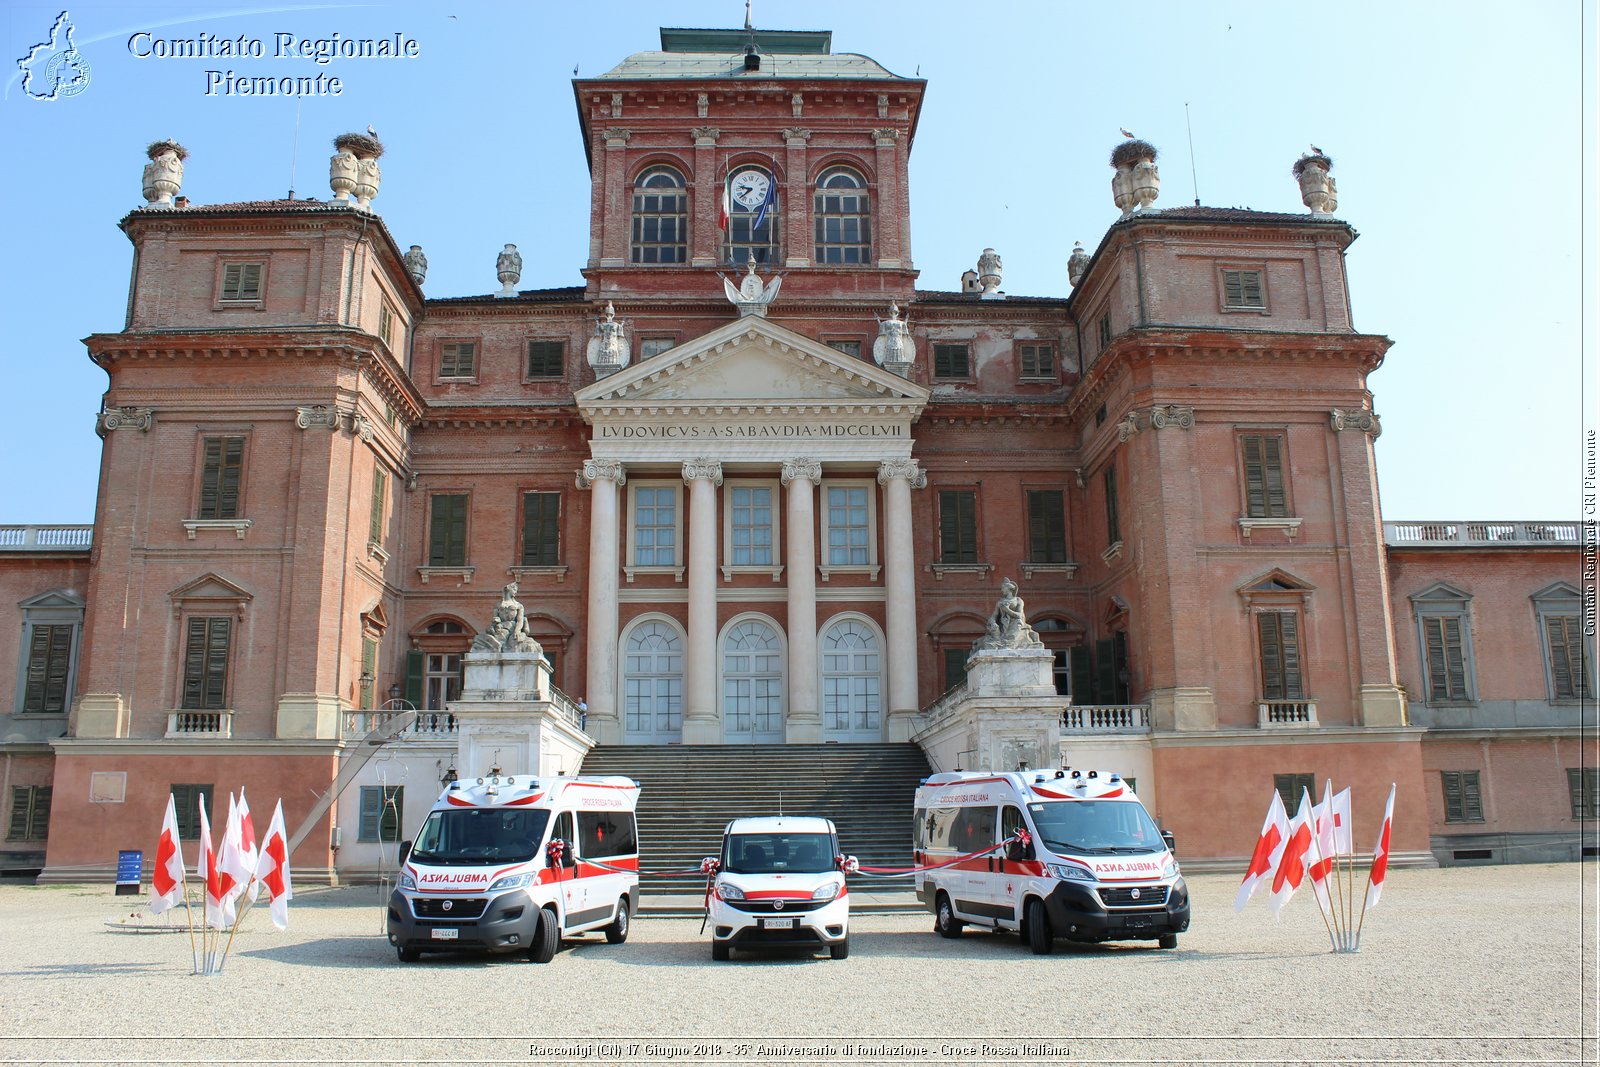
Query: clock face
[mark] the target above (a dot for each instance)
(749, 189)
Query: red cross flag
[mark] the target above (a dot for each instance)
(1380, 855)
(233, 865)
(219, 910)
(167, 879)
(1291, 869)
(273, 871)
(1274, 832)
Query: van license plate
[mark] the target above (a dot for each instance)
(445, 933)
(777, 924)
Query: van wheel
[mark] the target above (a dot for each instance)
(719, 950)
(617, 932)
(546, 937)
(945, 923)
(1039, 934)
(841, 950)
(1167, 941)
(407, 955)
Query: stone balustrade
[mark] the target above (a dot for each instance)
(45, 538)
(1276, 713)
(1106, 719)
(1479, 532)
(217, 723)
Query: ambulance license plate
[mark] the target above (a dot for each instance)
(777, 924)
(445, 933)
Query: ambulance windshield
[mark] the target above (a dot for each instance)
(480, 836)
(778, 854)
(1096, 826)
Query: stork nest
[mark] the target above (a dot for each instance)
(1325, 162)
(359, 143)
(156, 148)
(1128, 153)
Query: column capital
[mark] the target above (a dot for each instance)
(1365, 421)
(602, 470)
(885, 138)
(324, 415)
(705, 136)
(796, 136)
(808, 469)
(891, 469)
(125, 418)
(616, 136)
(709, 469)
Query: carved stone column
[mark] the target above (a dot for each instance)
(603, 478)
(804, 726)
(701, 721)
(703, 251)
(888, 238)
(898, 477)
(614, 241)
(796, 243)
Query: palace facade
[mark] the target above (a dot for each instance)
(756, 486)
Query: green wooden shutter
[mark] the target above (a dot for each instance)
(415, 659)
(1113, 520)
(39, 821)
(1250, 288)
(369, 672)
(958, 526)
(955, 666)
(371, 809)
(541, 529)
(380, 494)
(1105, 672)
(1233, 288)
(218, 637)
(49, 656)
(210, 477)
(250, 282)
(448, 535)
(1438, 685)
(393, 808)
(1274, 671)
(21, 797)
(1082, 676)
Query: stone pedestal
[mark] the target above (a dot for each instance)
(1183, 708)
(101, 715)
(1007, 715)
(506, 718)
(308, 716)
(1383, 705)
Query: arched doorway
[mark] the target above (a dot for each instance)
(652, 683)
(752, 683)
(852, 681)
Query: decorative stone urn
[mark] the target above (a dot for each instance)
(989, 268)
(508, 268)
(1077, 264)
(163, 175)
(1137, 181)
(1317, 190)
(416, 264)
(353, 170)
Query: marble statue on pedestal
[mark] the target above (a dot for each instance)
(893, 348)
(1008, 626)
(508, 628)
(508, 268)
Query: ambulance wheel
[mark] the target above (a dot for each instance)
(1167, 941)
(841, 950)
(1039, 934)
(945, 923)
(546, 937)
(407, 955)
(719, 950)
(617, 932)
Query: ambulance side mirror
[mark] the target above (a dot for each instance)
(405, 852)
(1172, 842)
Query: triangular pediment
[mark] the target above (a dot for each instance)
(209, 587)
(752, 363)
(56, 598)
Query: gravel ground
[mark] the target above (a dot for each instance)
(1479, 965)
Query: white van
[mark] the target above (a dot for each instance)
(1096, 867)
(779, 884)
(482, 874)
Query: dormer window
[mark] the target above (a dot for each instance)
(660, 217)
(843, 218)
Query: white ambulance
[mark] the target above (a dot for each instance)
(778, 884)
(514, 864)
(1094, 868)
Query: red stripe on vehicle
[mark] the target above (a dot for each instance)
(534, 799)
(458, 802)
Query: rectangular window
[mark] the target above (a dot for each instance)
(1569, 674)
(952, 360)
(442, 679)
(541, 529)
(958, 526)
(1047, 526)
(386, 323)
(380, 497)
(1264, 495)
(458, 359)
(447, 531)
(1584, 785)
(1280, 655)
(1113, 520)
(1291, 787)
(241, 282)
(655, 526)
(1447, 662)
(1037, 361)
(1105, 331)
(49, 658)
(186, 800)
(381, 809)
(849, 526)
(221, 468)
(546, 359)
(750, 543)
(1463, 796)
(849, 348)
(30, 813)
(955, 666)
(205, 663)
(654, 346)
(1242, 289)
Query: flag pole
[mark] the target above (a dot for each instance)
(189, 914)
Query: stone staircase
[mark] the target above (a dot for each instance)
(691, 792)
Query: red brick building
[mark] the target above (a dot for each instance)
(754, 517)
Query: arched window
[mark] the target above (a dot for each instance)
(660, 217)
(752, 682)
(843, 218)
(751, 202)
(652, 678)
(852, 681)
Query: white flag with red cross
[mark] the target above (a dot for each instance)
(1380, 854)
(167, 879)
(1274, 834)
(1290, 870)
(273, 871)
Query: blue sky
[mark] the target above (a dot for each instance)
(1456, 130)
